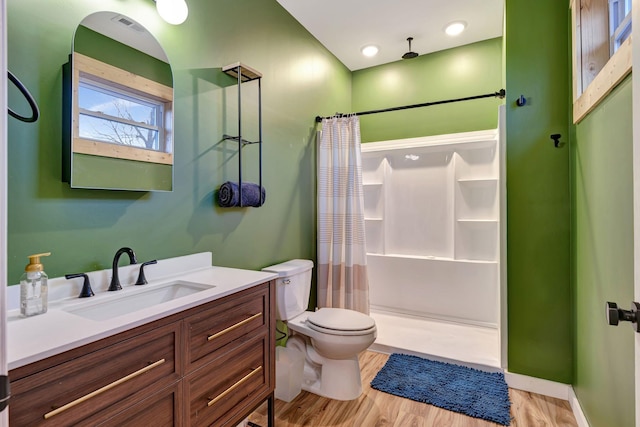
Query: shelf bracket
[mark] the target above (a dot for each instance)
(246, 73)
(236, 139)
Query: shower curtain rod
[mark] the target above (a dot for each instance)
(500, 94)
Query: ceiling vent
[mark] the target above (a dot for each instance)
(123, 20)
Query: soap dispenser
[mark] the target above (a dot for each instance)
(33, 287)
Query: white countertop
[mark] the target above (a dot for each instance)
(34, 338)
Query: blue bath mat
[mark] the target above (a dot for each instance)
(456, 388)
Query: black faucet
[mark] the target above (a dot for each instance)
(115, 281)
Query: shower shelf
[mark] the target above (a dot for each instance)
(435, 258)
(373, 219)
(372, 184)
(473, 181)
(243, 74)
(474, 261)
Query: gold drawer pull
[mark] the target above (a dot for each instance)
(236, 385)
(231, 328)
(103, 389)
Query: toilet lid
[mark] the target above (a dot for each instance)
(340, 321)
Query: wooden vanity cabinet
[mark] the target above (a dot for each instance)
(209, 365)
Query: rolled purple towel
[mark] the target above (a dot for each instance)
(252, 195)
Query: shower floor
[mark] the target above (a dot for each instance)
(473, 346)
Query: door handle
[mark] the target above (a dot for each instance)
(616, 315)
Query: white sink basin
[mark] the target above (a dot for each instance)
(137, 299)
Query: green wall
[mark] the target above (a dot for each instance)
(84, 228)
(465, 71)
(603, 259)
(539, 303)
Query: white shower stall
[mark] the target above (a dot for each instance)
(434, 229)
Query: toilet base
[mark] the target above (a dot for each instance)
(338, 379)
(334, 379)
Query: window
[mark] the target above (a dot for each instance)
(601, 50)
(619, 23)
(119, 114)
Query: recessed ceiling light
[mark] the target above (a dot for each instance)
(455, 28)
(370, 50)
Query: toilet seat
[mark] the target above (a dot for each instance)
(340, 321)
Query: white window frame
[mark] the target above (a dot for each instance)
(129, 96)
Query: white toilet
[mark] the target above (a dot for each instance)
(330, 338)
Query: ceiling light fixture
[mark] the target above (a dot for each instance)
(175, 12)
(370, 50)
(411, 54)
(455, 28)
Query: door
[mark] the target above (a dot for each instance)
(635, 12)
(4, 415)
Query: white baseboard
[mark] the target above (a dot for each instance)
(548, 388)
(577, 409)
(537, 385)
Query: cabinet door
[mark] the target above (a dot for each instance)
(108, 380)
(216, 330)
(231, 386)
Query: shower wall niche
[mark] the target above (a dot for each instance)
(433, 226)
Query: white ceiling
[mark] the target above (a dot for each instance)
(345, 26)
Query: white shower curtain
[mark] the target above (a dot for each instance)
(342, 269)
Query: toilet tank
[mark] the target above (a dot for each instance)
(293, 287)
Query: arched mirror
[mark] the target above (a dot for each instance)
(118, 108)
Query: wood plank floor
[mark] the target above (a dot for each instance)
(377, 409)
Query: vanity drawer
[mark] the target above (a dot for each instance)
(161, 409)
(106, 379)
(217, 330)
(238, 380)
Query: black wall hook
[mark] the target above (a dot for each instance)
(522, 101)
(556, 140)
